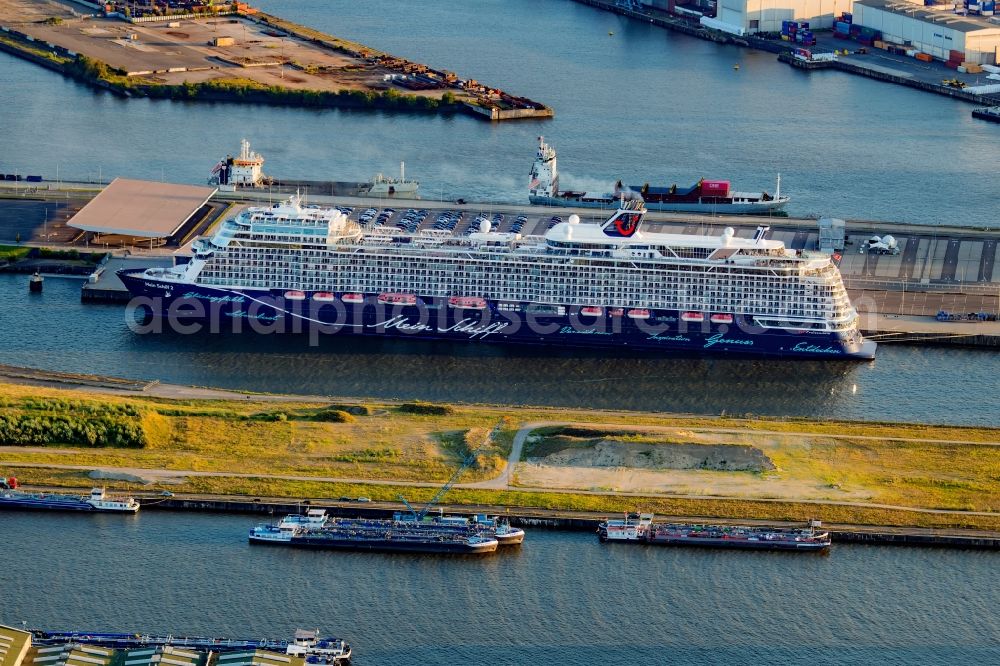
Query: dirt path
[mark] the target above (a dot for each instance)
(506, 478)
(169, 475)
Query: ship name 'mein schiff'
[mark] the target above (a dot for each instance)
(705, 196)
(291, 267)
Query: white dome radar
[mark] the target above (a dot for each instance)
(727, 235)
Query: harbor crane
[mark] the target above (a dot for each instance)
(466, 463)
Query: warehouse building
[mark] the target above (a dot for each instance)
(935, 32)
(766, 15)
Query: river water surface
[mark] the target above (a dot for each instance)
(642, 104)
(561, 599)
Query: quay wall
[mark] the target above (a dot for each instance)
(569, 521)
(853, 68)
(783, 49)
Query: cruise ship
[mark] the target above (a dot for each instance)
(714, 197)
(294, 268)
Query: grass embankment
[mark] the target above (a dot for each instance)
(13, 253)
(32, 49)
(379, 440)
(354, 441)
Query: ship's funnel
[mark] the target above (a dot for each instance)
(625, 222)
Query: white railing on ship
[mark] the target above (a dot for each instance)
(978, 288)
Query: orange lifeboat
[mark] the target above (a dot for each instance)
(591, 311)
(397, 299)
(692, 316)
(295, 295)
(638, 313)
(323, 297)
(353, 298)
(467, 302)
(721, 318)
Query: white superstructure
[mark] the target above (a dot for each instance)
(385, 185)
(544, 172)
(100, 500)
(296, 248)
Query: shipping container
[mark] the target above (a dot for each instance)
(923, 57)
(715, 187)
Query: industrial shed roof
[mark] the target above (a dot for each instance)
(142, 208)
(943, 18)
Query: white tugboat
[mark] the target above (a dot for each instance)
(245, 171)
(386, 186)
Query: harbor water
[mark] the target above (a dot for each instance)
(642, 104)
(561, 599)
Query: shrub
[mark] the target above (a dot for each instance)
(357, 410)
(426, 408)
(271, 416)
(333, 416)
(90, 431)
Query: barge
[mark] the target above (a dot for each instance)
(98, 500)
(307, 646)
(316, 530)
(494, 526)
(640, 528)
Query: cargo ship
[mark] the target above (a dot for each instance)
(246, 171)
(640, 528)
(613, 286)
(714, 197)
(97, 501)
(104, 649)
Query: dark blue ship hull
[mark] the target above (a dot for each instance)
(36, 502)
(201, 307)
(427, 546)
